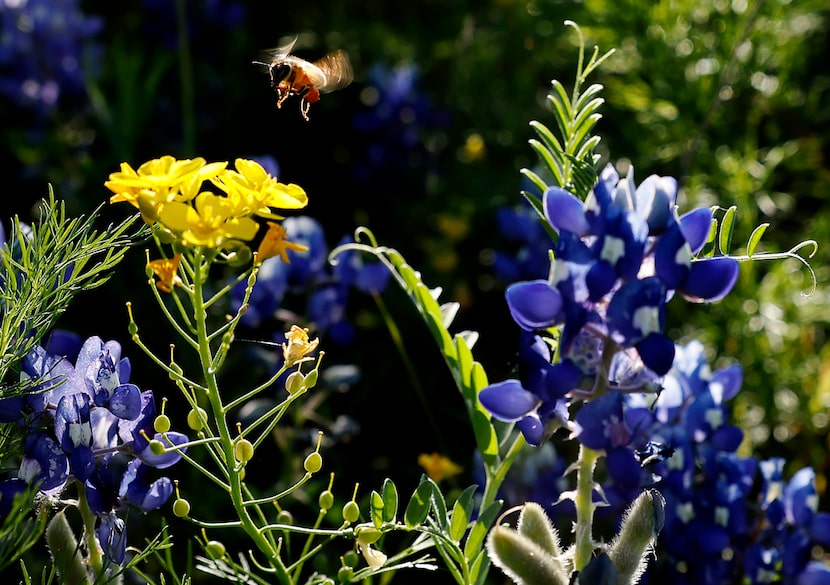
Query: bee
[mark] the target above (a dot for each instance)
(291, 75)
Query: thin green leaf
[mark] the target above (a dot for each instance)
(475, 539)
(587, 95)
(549, 159)
(439, 505)
(390, 500)
(462, 511)
(711, 240)
(727, 226)
(755, 238)
(376, 506)
(418, 507)
(547, 136)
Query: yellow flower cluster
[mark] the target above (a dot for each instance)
(170, 193)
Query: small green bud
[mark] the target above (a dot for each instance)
(157, 447)
(285, 517)
(351, 511)
(326, 500)
(215, 550)
(311, 379)
(350, 559)
(295, 382)
(367, 534)
(243, 450)
(176, 370)
(313, 463)
(345, 574)
(162, 423)
(195, 418)
(181, 508)
(240, 257)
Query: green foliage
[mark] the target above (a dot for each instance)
(44, 267)
(22, 528)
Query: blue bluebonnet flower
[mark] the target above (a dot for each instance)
(45, 44)
(619, 257)
(80, 422)
(791, 527)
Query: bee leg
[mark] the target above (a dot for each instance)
(304, 107)
(282, 95)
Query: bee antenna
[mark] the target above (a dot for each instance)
(260, 63)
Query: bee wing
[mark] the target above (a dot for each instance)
(271, 56)
(336, 70)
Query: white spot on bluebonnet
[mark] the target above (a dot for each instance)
(676, 461)
(722, 515)
(686, 512)
(683, 257)
(647, 320)
(29, 470)
(612, 249)
(80, 434)
(714, 416)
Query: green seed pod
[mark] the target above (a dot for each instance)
(243, 450)
(350, 559)
(195, 418)
(162, 423)
(313, 463)
(132, 329)
(368, 534)
(181, 508)
(157, 447)
(215, 550)
(326, 500)
(311, 379)
(345, 574)
(295, 382)
(351, 511)
(285, 517)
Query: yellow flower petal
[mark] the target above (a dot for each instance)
(438, 467)
(167, 271)
(297, 346)
(274, 243)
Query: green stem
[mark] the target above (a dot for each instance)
(220, 418)
(584, 545)
(95, 557)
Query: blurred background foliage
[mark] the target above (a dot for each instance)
(425, 147)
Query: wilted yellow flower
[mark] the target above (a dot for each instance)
(160, 181)
(297, 346)
(209, 223)
(253, 190)
(167, 270)
(275, 244)
(438, 467)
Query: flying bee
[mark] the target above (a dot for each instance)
(291, 75)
